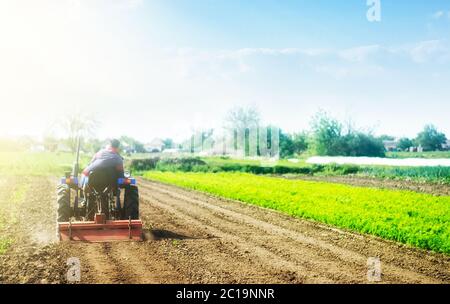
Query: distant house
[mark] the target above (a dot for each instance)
(391, 145)
(155, 146)
(446, 145)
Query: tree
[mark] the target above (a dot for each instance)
(139, 147)
(168, 143)
(405, 143)
(78, 125)
(329, 139)
(431, 139)
(207, 137)
(300, 142)
(291, 145)
(240, 118)
(327, 135)
(386, 137)
(240, 121)
(287, 147)
(362, 144)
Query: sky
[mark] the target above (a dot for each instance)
(164, 68)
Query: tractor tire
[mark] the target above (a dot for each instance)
(63, 201)
(91, 208)
(105, 205)
(131, 203)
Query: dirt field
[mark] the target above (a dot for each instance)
(431, 188)
(194, 238)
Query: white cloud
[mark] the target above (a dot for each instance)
(441, 15)
(340, 72)
(359, 54)
(438, 15)
(337, 72)
(362, 61)
(432, 50)
(247, 52)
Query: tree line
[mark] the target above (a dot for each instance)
(326, 136)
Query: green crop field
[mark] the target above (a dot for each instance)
(428, 155)
(440, 175)
(39, 163)
(218, 161)
(420, 220)
(420, 174)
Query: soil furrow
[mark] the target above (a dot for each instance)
(280, 254)
(197, 238)
(392, 271)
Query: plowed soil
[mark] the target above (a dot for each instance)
(196, 238)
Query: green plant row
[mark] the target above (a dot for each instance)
(427, 155)
(425, 173)
(420, 220)
(214, 165)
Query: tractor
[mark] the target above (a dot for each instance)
(95, 212)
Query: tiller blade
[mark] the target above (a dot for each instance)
(100, 230)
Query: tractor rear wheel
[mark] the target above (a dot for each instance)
(104, 199)
(131, 203)
(63, 200)
(91, 207)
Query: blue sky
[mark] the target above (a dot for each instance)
(294, 23)
(166, 67)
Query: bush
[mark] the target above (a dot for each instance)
(294, 170)
(144, 164)
(336, 169)
(196, 164)
(330, 139)
(360, 144)
(186, 164)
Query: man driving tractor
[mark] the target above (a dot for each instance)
(105, 167)
(93, 210)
